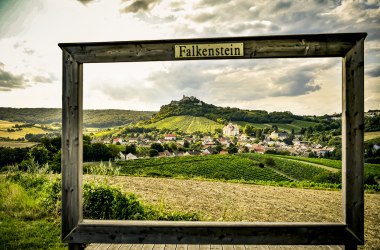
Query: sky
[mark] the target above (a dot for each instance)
(31, 66)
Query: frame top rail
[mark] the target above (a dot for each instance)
(282, 46)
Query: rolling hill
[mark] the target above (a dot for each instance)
(91, 118)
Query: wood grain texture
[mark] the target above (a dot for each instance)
(164, 232)
(350, 46)
(72, 145)
(352, 140)
(318, 45)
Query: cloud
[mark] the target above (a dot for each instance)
(140, 5)
(9, 81)
(254, 26)
(373, 72)
(282, 5)
(25, 49)
(44, 79)
(85, 2)
(205, 3)
(294, 84)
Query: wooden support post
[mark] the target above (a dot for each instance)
(352, 139)
(72, 145)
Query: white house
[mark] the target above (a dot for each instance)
(122, 156)
(170, 137)
(278, 135)
(130, 156)
(231, 130)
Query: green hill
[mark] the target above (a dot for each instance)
(187, 124)
(91, 118)
(192, 106)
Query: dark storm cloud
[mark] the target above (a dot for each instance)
(374, 72)
(9, 81)
(140, 5)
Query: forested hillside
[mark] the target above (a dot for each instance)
(91, 118)
(194, 107)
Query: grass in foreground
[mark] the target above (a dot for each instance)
(23, 223)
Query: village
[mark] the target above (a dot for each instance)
(231, 141)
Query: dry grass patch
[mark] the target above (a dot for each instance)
(222, 201)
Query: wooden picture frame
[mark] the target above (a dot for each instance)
(350, 233)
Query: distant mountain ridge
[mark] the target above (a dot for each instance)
(192, 106)
(91, 118)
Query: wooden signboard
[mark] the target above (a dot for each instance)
(350, 233)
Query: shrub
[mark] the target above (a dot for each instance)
(51, 196)
(328, 177)
(27, 181)
(104, 202)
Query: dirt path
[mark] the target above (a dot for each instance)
(222, 201)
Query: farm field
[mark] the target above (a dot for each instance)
(222, 201)
(371, 135)
(16, 144)
(187, 124)
(244, 168)
(21, 132)
(229, 167)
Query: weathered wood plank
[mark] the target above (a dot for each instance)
(92, 246)
(158, 232)
(159, 247)
(204, 247)
(72, 145)
(228, 247)
(147, 247)
(114, 246)
(125, 247)
(181, 247)
(136, 247)
(241, 247)
(352, 140)
(316, 45)
(170, 246)
(193, 247)
(104, 246)
(216, 247)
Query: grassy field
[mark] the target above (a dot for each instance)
(187, 124)
(223, 201)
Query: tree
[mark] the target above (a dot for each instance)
(248, 129)
(153, 152)
(130, 149)
(232, 149)
(40, 154)
(157, 146)
(186, 144)
(172, 147)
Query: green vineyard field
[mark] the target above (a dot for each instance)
(219, 167)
